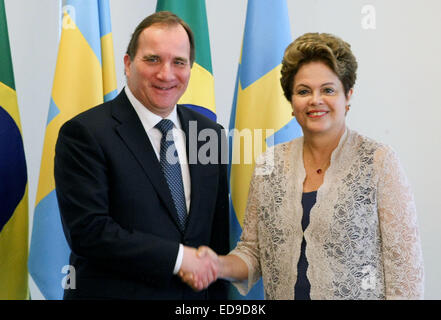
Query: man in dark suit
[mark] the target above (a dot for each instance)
(133, 221)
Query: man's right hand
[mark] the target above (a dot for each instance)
(199, 267)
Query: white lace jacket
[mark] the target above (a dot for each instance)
(362, 240)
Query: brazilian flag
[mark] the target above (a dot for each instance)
(199, 95)
(13, 181)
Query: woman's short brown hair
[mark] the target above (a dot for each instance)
(164, 18)
(324, 47)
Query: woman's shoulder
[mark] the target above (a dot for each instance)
(280, 150)
(278, 157)
(368, 146)
(361, 140)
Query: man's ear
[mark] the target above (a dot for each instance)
(127, 63)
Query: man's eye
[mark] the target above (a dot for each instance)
(151, 59)
(180, 62)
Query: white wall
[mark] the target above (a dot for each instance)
(397, 91)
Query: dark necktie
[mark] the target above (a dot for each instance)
(171, 168)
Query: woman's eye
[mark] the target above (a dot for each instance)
(329, 90)
(302, 92)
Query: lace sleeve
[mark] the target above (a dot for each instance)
(248, 246)
(402, 256)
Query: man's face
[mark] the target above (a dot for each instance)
(158, 74)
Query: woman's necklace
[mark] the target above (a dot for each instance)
(325, 166)
(323, 149)
(321, 169)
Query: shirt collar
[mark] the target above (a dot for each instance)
(148, 118)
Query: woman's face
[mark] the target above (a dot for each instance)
(319, 101)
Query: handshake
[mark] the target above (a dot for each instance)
(200, 267)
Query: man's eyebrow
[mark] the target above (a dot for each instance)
(148, 56)
(181, 59)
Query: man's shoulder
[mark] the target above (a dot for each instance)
(94, 113)
(97, 120)
(99, 112)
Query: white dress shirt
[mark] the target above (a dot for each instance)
(149, 120)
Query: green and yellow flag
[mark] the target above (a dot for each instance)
(13, 181)
(199, 95)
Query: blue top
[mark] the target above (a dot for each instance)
(302, 287)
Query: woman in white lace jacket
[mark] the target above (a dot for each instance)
(362, 240)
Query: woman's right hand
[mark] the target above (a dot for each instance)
(196, 282)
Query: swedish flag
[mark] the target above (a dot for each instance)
(13, 181)
(258, 104)
(199, 95)
(84, 77)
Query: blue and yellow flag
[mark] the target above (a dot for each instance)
(199, 95)
(84, 77)
(13, 181)
(259, 107)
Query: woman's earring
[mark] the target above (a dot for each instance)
(347, 108)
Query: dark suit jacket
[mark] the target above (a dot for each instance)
(117, 211)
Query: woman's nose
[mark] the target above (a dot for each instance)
(316, 98)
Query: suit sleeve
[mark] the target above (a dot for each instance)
(81, 180)
(220, 239)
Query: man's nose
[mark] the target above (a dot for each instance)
(165, 72)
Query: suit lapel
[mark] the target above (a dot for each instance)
(134, 136)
